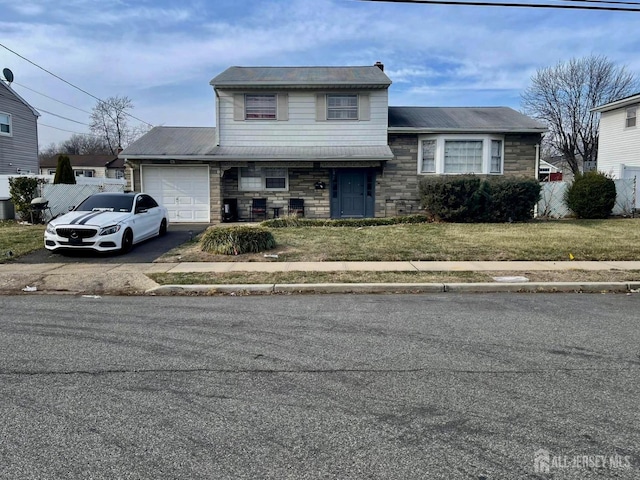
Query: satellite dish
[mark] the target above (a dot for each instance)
(8, 75)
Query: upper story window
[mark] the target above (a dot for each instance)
(342, 107)
(460, 154)
(260, 107)
(631, 117)
(5, 124)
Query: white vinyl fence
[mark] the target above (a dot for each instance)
(61, 197)
(551, 204)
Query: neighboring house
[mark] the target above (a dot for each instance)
(325, 139)
(547, 172)
(100, 166)
(18, 133)
(619, 138)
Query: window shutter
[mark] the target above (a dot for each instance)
(238, 106)
(365, 108)
(321, 107)
(283, 107)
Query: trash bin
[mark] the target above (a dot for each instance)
(230, 210)
(6, 209)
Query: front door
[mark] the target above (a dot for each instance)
(352, 193)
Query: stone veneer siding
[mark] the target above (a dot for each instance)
(397, 188)
(302, 180)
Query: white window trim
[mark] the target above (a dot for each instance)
(633, 109)
(357, 107)
(439, 155)
(82, 172)
(263, 181)
(10, 133)
(249, 119)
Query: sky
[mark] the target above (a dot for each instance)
(163, 54)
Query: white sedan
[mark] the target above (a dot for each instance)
(106, 222)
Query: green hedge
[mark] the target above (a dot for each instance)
(236, 240)
(294, 221)
(470, 199)
(592, 195)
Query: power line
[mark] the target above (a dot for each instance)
(521, 5)
(68, 83)
(63, 130)
(60, 116)
(51, 98)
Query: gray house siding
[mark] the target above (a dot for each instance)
(20, 149)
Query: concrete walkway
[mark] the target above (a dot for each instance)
(123, 278)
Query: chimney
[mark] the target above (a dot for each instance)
(380, 65)
(119, 150)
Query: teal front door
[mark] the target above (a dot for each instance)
(351, 186)
(353, 193)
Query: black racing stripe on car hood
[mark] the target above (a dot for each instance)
(81, 217)
(85, 219)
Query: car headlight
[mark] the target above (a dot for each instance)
(51, 229)
(110, 230)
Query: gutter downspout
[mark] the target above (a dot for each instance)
(535, 207)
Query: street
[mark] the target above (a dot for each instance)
(329, 386)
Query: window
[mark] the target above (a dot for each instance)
(260, 107)
(460, 154)
(260, 178)
(496, 156)
(52, 172)
(631, 117)
(84, 173)
(119, 174)
(463, 156)
(342, 107)
(5, 124)
(428, 156)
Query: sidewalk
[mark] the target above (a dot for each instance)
(127, 279)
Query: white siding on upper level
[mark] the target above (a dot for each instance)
(302, 128)
(617, 145)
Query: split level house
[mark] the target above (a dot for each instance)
(321, 142)
(18, 133)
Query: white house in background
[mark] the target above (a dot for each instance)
(619, 142)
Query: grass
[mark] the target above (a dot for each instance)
(612, 239)
(386, 277)
(19, 239)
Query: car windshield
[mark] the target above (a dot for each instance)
(114, 203)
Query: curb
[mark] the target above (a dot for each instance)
(309, 288)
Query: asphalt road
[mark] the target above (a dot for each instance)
(145, 252)
(306, 387)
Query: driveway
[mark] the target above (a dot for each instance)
(145, 252)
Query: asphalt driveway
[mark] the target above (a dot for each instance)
(145, 252)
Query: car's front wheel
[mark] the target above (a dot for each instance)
(163, 228)
(127, 241)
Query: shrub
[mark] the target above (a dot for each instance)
(591, 195)
(64, 171)
(236, 240)
(22, 191)
(292, 221)
(450, 198)
(467, 198)
(510, 199)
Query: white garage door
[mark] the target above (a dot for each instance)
(184, 190)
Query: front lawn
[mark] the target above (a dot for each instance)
(19, 239)
(612, 239)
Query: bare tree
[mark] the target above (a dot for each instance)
(109, 121)
(83, 145)
(563, 95)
